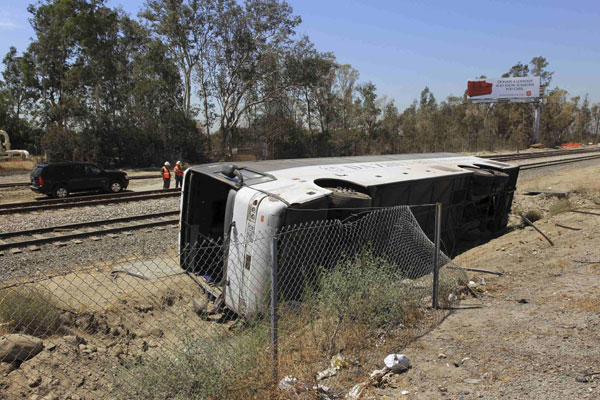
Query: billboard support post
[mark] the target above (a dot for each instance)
(536, 126)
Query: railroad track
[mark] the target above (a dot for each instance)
(541, 154)
(63, 234)
(497, 157)
(546, 164)
(68, 202)
(7, 185)
(72, 232)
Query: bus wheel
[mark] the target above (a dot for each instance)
(348, 198)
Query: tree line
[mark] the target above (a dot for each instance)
(204, 80)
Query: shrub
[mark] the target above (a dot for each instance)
(534, 215)
(367, 290)
(450, 284)
(29, 311)
(222, 368)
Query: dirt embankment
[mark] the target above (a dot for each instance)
(531, 332)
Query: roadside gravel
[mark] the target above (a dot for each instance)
(51, 259)
(47, 218)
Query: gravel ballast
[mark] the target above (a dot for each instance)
(51, 259)
(63, 216)
(538, 172)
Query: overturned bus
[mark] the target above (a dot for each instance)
(255, 199)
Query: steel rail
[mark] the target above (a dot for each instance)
(141, 196)
(542, 154)
(79, 225)
(546, 164)
(77, 235)
(85, 198)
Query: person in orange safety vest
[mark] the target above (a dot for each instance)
(166, 175)
(178, 174)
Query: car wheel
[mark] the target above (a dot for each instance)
(60, 192)
(116, 186)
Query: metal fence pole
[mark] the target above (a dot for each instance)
(436, 254)
(274, 338)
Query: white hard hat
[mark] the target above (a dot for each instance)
(178, 162)
(167, 163)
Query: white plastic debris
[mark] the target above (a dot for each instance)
(404, 392)
(356, 391)
(287, 382)
(321, 388)
(397, 362)
(327, 373)
(378, 373)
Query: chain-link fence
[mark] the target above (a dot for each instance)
(323, 302)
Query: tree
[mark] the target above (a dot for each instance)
(188, 28)
(595, 114)
(20, 96)
(558, 115)
(369, 112)
(538, 68)
(390, 128)
(518, 70)
(346, 78)
(248, 58)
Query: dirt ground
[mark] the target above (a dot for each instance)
(107, 321)
(527, 335)
(532, 331)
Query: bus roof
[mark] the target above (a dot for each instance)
(297, 180)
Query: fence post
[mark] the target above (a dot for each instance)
(274, 338)
(436, 254)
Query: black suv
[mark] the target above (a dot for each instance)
(60, 179)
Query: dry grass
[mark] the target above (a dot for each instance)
(235, 366)
(363, 308)
(589, 193)
(584, 304)
(30, 311)
(560, 206)
(17, 165)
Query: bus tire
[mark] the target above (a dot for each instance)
(348, 198)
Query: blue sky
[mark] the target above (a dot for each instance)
(403, 46)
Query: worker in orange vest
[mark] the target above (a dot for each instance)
(178, 174)
(166, 175)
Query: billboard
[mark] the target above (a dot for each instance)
(504, 89)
